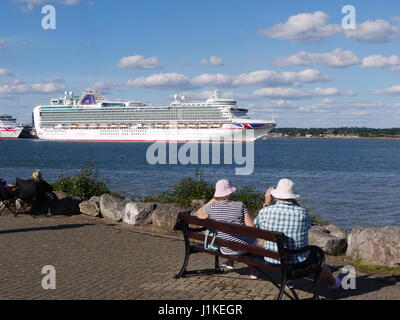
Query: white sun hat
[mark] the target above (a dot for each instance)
(284, 190)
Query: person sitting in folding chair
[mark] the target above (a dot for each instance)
(7, 196)
(34, 192)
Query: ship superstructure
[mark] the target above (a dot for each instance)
(8, 127)
(92, 117)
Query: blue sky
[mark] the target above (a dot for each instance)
(288, 58)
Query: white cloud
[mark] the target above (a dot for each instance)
(203, 95)
(290, 93)
(213, 80)
(256, 78)
(213, 61)
(377, 31)
(161, 80)
(29, 5)
(304, 27)
(107, 87)
(379, 61)
(273, 78)
(140, 62)
(392, 91)
(5, 72)
(33, 88)
(337, 58)
(2, 43)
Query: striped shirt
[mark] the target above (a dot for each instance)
(293, 221)
(230, 212)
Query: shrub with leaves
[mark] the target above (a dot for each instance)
(84, 185)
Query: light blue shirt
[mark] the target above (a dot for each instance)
(290, 219)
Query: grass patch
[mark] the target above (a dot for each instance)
(372, 268)
(362, 266)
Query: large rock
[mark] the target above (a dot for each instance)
(138, 213)
(379, 246)
(332, 243)
(112, 208)
(91, 207)
(65, 204)
(198, 203)
(167, 217)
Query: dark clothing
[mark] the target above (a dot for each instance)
(43, 192)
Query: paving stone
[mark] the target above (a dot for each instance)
(94, 260)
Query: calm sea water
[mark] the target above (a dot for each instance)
(350, 182)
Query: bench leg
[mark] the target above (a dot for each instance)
(316, 294)
(282, 287)
(216, 266)
(182, 272)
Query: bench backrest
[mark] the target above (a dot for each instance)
(276, 237)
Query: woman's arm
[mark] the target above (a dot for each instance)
(201, 213)
(248, 220)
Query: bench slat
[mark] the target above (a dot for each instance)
(233, 228)
(254, 262)
(237, 246)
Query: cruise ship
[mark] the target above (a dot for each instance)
(91, 117)
(8, 127)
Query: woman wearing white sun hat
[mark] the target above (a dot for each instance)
(222, 209)
(287, 216)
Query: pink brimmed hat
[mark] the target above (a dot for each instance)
(223, 188)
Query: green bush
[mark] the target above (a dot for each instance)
(184, 192)
(188, 189)
(253, 199)
(84, 185)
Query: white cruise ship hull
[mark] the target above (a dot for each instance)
(10, 133)
(151, 134)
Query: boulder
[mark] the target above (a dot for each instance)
(112, 208)
(138, 213)
(198, 203)
(91, 207)
(65, 204)
(335, 231)
(166, 217)
(327, 241)
(379, 246)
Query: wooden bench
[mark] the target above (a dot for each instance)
(253, 255)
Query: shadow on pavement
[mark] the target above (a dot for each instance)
(364, 284)
(58, 227)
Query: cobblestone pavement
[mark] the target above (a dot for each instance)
(103, 261)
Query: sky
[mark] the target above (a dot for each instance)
(306, 63)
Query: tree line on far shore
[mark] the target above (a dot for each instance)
(343, 131)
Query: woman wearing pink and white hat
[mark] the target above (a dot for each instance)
(222, 209)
